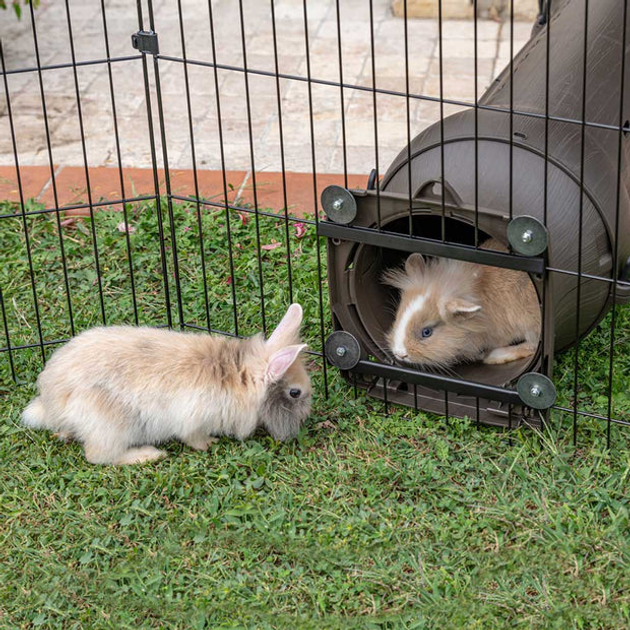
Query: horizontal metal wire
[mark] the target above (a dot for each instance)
(80, 206)
(421, 97)
(595, 416)
(213, 331)
(311, 352)
(262, 213)
(225, 333)
(588, 276)
(279, 216)
(26, 346)
(78, 64)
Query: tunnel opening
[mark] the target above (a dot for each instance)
(376, 302)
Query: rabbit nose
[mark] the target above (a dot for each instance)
(401, 355)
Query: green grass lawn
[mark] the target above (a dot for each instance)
(367, 520)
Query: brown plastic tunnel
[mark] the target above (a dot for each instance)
(505, 165)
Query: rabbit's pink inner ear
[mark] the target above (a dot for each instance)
(289, 327)
(281, 361)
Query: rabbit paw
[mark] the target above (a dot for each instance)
(139, 455)
(499, 356)
(63, 436)
(95, 454)
(200, 442)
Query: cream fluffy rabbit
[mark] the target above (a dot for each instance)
(120, 390)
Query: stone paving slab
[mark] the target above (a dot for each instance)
(60, 85)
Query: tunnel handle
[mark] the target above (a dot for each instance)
(425, 191)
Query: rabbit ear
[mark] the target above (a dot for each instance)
(460, 308)
(279, 362)
(415, 264)
(288, 329)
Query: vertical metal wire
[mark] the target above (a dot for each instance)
(615, 261)
(86, 166)
(441, 56)
(376, 156)
(341, 96)
(476, 112)
(167, 177)
(374, 107)
(546, 357)
(282, 161)
(156, 183)
(408, 116)
(119, 160)
(443, 183)
(53, 180)
(315, 201)
(446, 414)
(547, 73)
(194, 164)
(253, 166)
(511, 161)
(224, 177)
(580, 228)
(27, 241)
(477, 410)
(5, 325)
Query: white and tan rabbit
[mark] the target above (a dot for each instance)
(452, 311)
(120, 390)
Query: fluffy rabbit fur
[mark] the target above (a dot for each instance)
(452, 311)
(120, 390)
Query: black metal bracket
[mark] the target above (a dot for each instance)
(146, 42)
(533, 390)
(430, 247)
(334, 196)
(438, 381)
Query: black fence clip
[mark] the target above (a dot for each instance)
(146, 42)
(543, 12)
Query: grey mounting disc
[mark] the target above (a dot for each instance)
(527, 236)
(536, 390)
(339, 204)
(343, 350)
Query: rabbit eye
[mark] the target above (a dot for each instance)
(427, 332)
(295, 393)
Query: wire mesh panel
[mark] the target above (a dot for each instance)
(170, 164)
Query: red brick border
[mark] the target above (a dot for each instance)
(71, 186)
